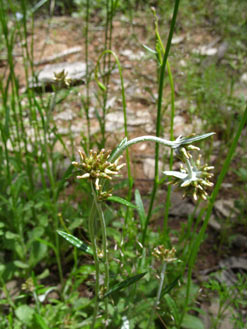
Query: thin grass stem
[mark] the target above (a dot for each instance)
(87, 75)
(105, 251)
(158, 119)
(91, 228)
(157, 300)
(130, 179)
(169, 189)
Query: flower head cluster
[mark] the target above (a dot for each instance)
(193, 176)
(96, 166)
(167, 255)
(61, 78)
(28, 285)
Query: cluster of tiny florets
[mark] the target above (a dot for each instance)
(28, 285)
(193, 176)
(96, 166)
(197, 182)
(184, 151)
(163, 254)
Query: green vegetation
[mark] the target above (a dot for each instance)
(81, 246)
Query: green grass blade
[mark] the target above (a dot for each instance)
(140, 208)
(171, 285)
(64, 179)
(121, 201)
(158, 119)
(124, 284)
(76, 242)
(40, 322)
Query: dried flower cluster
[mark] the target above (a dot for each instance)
(62, 79)
(28, 285)
(193, 176)
(95, 167)
(167, 255)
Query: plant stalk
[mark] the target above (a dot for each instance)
(158, 120)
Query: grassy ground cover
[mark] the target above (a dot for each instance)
(101, 238)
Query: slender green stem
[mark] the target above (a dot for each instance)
(142, 139)
(157, 300)
(169, 189)
(35, 297)
(200, 237)
(107, 61)
(106, 39)
(6, 293)
(87, 74)
(158, 119)
(130, 179)
(91, 228)
(105, 251)
(58, 258)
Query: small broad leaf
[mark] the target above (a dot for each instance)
(172, 307)
(192, 322)
(122, 201)
(124, 284)
(20, 264)
(25, 314)
(102, 87)
(76, 242)
(38, 251)
(11, 236)
(2, 268)
(140, 208)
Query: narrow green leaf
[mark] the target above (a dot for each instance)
(76, 242)
(49, 244)
(150, 50)
(121, 144)
(190, 140)
(124, 284)
(140, 208)
(170, 286)
(58, 136)
(6, 126)
(40, 322)
(122, 201)
(38, 5)
(64, 179)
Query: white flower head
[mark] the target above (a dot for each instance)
(194, 178)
